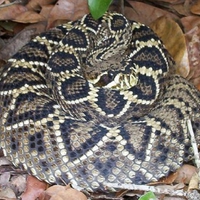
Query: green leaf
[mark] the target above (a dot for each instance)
(148, 196)
(9, 26)
(98, 7)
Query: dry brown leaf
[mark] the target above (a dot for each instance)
(195, 8)
(145, 13)
(185, 173)
(182, 9)
(58, 192)
(184, 67)
(166, 180)
(4, 161)
(15, 44)
(29, 17)
(34, 188)
(193, 45)
(11, 12)
(178, 186)
(19, 182)
(194, 182)
(172, 198)
(182, 175)
(2, 1)
(190, 22)
(192, 28)
(68, 10)
(20, 40)
(37, 4)
(4, 178)
(176, 45)
(7, 194)
(169, 1)
(46, 10)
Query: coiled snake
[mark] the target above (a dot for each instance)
(95, 102)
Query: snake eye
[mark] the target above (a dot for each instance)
(110, 75)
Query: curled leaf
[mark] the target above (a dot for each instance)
(58, 192)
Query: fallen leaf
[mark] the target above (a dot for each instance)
(195, 8)
(4, 178)
(193, 45)
(4, 161)
(46, 10)
(182, 9)
(145, 13)
(194, 182)
(190, 22)
(37, 4)
(11, 12)
(166, 180)
(29, 17)
(20, 40)
(19, 182)
(34, 188)
(7, 194)
(176, 45)
(2, 1)
(169, 1)
(172, 198)
(185, 173)
(68, 10)
(58, 192)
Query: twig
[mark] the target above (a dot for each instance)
(194, 146)
(157, 190)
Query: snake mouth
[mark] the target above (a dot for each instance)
(122, 82)
(119, 81)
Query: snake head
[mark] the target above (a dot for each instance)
(115, 80)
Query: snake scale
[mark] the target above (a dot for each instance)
(93, 102)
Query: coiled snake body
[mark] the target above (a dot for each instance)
(96, 102)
